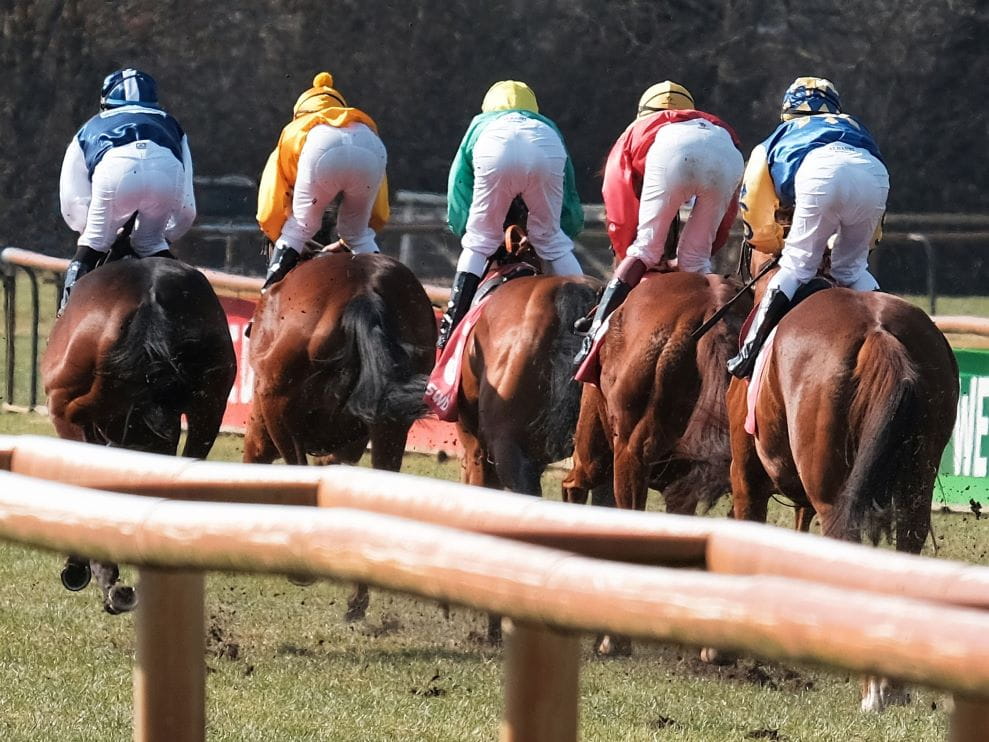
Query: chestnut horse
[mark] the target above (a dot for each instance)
(140, 344)
(856, 405)
(518, 401)
(658, 417)
(341, 349)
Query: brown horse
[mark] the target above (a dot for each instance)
(856, 405)
(518, 401)
(141, 343)
(341, 349)
(658, 418)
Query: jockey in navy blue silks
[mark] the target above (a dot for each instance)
(132, 157)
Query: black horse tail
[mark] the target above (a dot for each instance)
(882, 419)
(144, 361)
(375, 367)
(558, 419)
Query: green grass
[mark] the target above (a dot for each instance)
(283, 664)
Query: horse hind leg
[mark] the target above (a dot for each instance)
(204, 421)
(117, 598)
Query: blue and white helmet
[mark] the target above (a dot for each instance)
(128, 87)
(810, 95)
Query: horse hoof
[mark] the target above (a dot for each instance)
(120, 599)
(713, 656)
(75, 576)
(614, 646)
(302, 580)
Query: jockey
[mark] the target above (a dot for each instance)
(668, 155)
(827, 167)
(509, 150)
(328, 150)
(132, 157)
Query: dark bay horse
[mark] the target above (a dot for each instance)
(857, 403)
(518, 402)
(141, 343)
(658, 418)
(341, 349)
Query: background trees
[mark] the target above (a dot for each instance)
(913, 71)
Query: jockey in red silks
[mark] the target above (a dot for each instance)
(827, 167)
(131, 157)
(668, 155)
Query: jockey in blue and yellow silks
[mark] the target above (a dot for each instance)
(509, 150)
(827, 167)
(329, 149)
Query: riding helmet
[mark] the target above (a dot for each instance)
(128, 87)
(665, 96)
(810, 95)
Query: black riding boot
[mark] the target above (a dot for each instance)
(283, 260)
(741, 365)
(82, 263)
(627, 277)
(461, 295)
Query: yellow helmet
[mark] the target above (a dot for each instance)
(508, 95)
(321, 95)
(665, 96)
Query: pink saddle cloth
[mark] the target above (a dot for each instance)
(755, 384)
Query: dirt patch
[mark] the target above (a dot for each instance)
(293, 650)
(770, 734)
(389, 625)
(430, 689)
(219, 642)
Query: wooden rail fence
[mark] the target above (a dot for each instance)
(782, 596)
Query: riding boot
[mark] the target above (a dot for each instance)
(769, 315)
(283, 260)
(627, 277)
(82, 263)
(461, 295)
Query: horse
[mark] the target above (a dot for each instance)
(141, 343)
(658, 416)
(341, 349)
(518, 401)
(856, 404)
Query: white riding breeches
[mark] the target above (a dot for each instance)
(335, 161)
(840, 192)
(142, 177)
(517, 156)
(688, 159)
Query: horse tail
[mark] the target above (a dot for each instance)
(882, 419)
(558, 419)
(144, 359)
(375, 366)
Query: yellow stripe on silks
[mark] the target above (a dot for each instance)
(758, 203)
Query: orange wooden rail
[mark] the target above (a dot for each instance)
(773, 617)
(228, 284)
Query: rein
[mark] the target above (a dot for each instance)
(723, 310)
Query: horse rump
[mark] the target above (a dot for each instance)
(373, 367)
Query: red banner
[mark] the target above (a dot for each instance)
(427, 436)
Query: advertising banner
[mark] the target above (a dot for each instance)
(963, 475)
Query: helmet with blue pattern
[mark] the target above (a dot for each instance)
(128, 87)
(810, 95)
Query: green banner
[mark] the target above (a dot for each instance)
(963, 474)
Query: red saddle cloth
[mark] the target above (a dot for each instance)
(443, 387)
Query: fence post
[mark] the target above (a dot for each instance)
(969, 720)
(541, 671)
(931, 268)
(170, 676)
(35, 322)
(10, 326)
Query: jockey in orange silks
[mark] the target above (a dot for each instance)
(668, 155)
(827, 167)
(328, 150)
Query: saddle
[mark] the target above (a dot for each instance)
(505, 265)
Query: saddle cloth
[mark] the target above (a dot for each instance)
(754, 384)
(443, 387)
